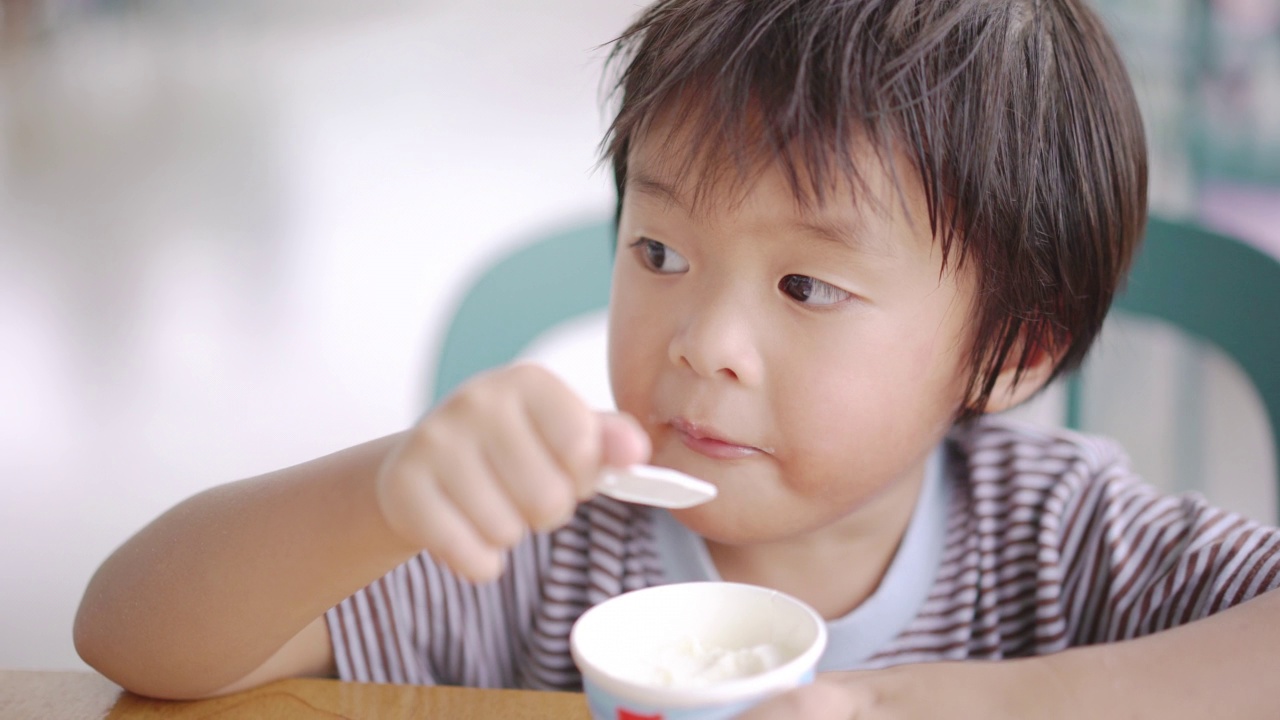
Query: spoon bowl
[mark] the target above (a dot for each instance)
(656, 486)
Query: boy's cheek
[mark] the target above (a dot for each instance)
(930, 359)
(630, 372)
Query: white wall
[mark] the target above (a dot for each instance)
(227, 243)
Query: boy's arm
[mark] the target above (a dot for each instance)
(1220, 666)
(228, 589)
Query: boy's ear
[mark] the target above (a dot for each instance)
(1006, 393)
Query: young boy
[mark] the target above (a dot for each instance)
(848, 231)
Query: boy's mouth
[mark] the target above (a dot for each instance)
(705, 440)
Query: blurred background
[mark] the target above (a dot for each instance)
(231, 235)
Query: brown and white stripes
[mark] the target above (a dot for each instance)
(1051, 542)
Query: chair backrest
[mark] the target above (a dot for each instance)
(524, 294)
(1213, 288)
(1209, 285)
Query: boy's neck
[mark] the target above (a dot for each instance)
(834, 569)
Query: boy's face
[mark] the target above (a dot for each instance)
(804, 362)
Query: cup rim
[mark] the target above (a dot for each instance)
(783, 677)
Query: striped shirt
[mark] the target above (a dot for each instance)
(1051, 542)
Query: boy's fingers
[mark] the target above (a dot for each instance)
(440, 529)
(536, 484)
(623, 441)
(569, 428)
(479, 496)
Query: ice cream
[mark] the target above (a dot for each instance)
(694, 650)
(689, 663)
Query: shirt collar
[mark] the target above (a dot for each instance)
(862, 632)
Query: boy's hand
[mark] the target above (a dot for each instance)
(512, 450)
(1029, 689)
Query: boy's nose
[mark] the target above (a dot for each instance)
(719, 340)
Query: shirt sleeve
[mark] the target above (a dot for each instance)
(1137, 561)
(420, 624)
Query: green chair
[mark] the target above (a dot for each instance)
(523, 295)
(1211, 286)
(1214, 288)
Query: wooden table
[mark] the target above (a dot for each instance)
(83, 696)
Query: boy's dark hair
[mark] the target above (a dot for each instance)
(1017, 117)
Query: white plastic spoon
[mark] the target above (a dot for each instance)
(656, 486)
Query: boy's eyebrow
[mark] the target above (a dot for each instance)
(850, 234)
(652, 186)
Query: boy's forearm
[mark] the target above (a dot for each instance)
(1221, 666)
(208, 591)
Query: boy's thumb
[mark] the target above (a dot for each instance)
(623, 441)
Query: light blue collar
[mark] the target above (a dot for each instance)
(858, 635)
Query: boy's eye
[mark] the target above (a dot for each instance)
(660, 258)
(812, 291)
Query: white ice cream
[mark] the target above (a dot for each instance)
(689, 663)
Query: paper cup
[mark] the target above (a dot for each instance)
(624, 646)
